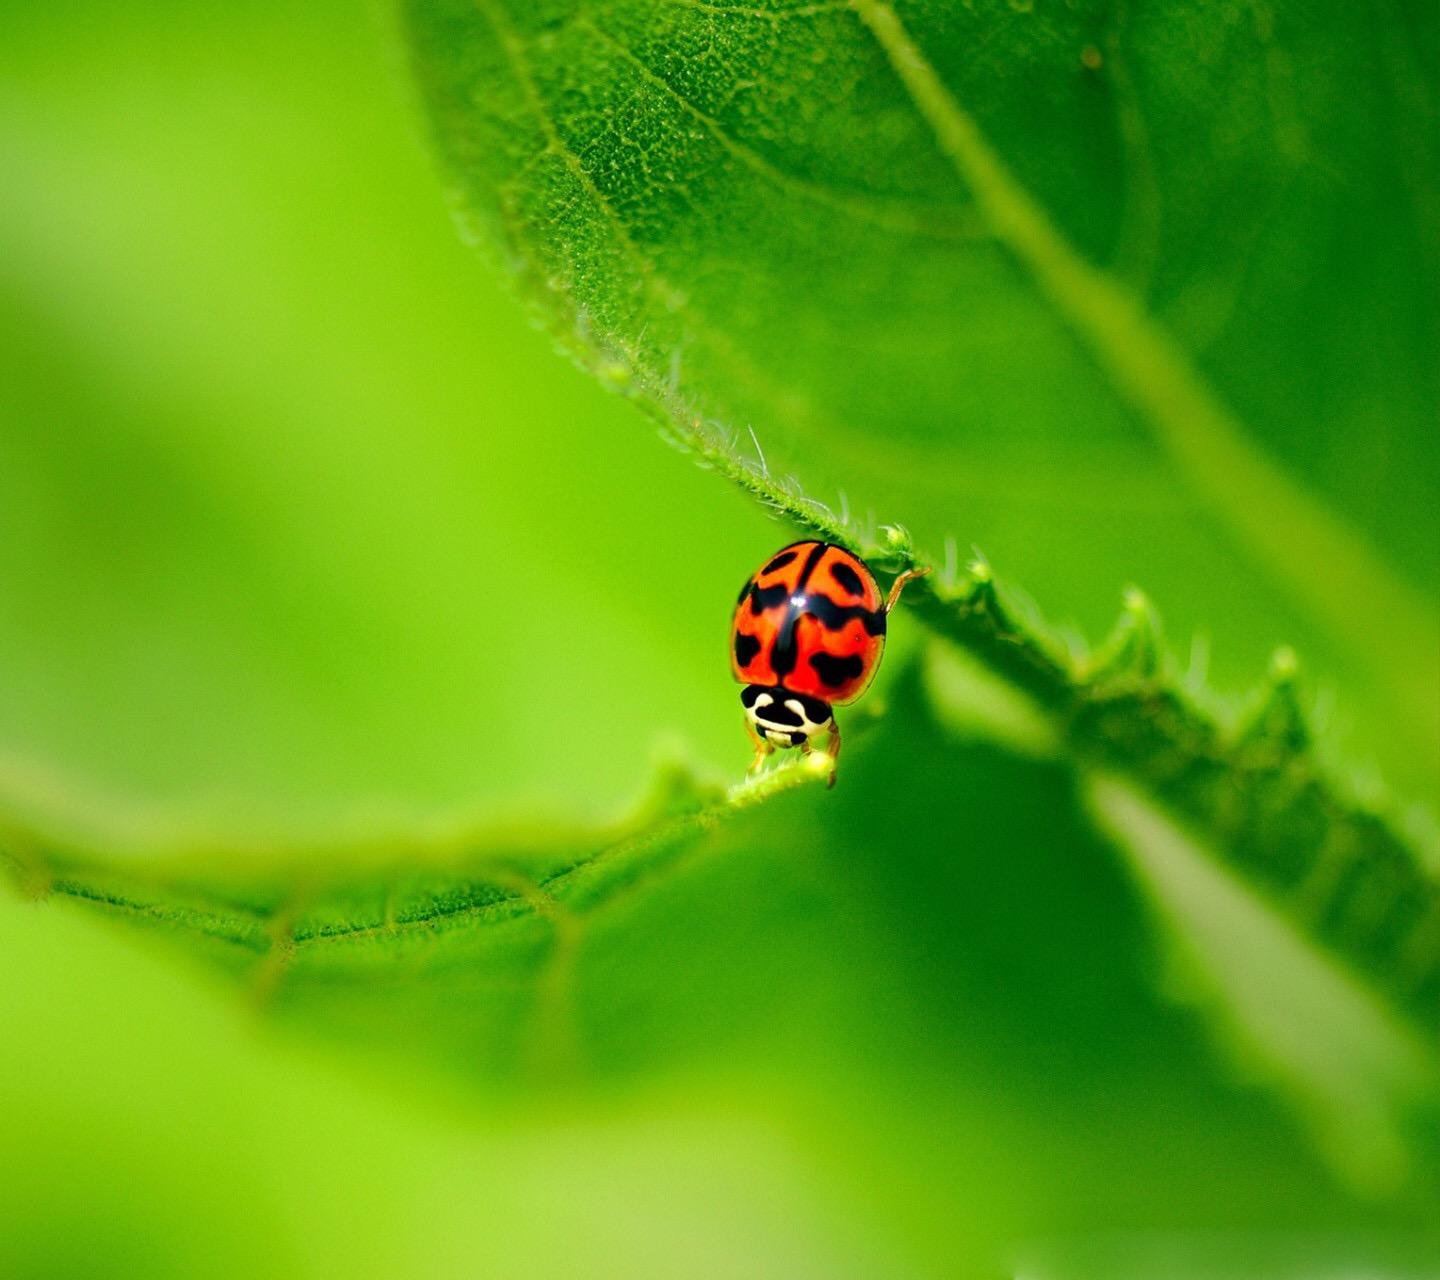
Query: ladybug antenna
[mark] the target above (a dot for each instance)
(898, 585)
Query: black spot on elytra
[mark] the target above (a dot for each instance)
(816, 553)
(784, 652)
(780, 561)
(744, 591)
(784, 655)
(746, 647)
(762, 598)
(847, 578)
(833, 616)
(835, 671)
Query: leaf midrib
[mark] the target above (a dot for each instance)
(646, 842)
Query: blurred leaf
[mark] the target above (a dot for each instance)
(282, 515)
(152, 1132)
(1355, 1070)
(994, 258)
(1350, 878)
(980, 1065)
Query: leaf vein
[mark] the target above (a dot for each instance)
(893, 217)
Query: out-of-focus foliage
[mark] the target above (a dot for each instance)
(973, 1073)
(341, 625)
(299, 519)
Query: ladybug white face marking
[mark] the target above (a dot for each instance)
(782, 718)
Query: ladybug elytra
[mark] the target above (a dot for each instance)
(807, 635)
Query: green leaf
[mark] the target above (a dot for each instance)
(1281, 1000)
(841, 959)
(992, 261)
(992, 258)
(1273, 808)
(150, 1120)
(290, 502)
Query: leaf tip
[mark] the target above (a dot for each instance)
(1279, 720)
(897, 537)
(1135, 647)
(1284, 666)
(818, 764)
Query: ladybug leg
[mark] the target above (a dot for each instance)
(898, 585)
(762, 748)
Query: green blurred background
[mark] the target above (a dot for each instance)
(299, 513)
(306, 531)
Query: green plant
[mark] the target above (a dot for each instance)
(1116, 296)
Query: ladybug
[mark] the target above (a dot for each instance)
(807, 635)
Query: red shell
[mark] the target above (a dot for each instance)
(810, 620)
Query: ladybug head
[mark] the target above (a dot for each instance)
(782, 718)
